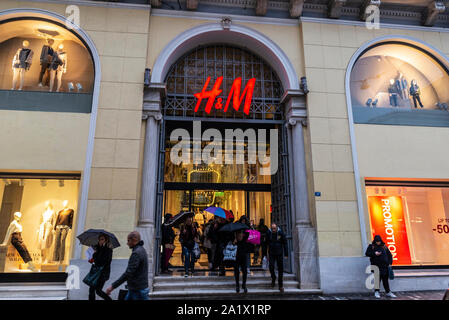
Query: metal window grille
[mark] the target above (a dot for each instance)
(189, 75)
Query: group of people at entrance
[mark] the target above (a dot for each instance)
(273, 248)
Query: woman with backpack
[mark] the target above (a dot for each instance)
(380, 256)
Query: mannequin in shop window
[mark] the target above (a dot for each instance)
(415, 92)
(402, 85)
(45, 60)
(393, 92)
(63, 225)
(20, 64)
(14, 234)
(45, 232)
(58, 67)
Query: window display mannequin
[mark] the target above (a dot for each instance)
(14, 234)
(63, 225)
(20, 64)
(393, 92)
(45, 232)
(402, 86)
(415, 92)
(46, 57)
(58, 66)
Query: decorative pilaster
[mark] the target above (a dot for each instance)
(146, 222)
(306, 250)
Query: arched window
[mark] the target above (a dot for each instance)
(395, 82)
(44, 67)
(190, 73)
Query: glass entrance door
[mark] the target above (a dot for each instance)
(255, 205)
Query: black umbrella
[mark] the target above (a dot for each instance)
(232, 227)
(90, 237)
(179, 218)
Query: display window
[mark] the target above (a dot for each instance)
(36, 223)
(40, 55)
(401, 76)
(413, 221)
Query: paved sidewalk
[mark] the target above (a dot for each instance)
(415, 295)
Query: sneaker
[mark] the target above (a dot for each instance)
(377, 294)
(40, 84)
(391, 295)
(186, 275)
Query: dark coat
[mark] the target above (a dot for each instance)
(243, 247)
(102, 258)
(276, 243)
(136, 274)
(168, 235)
(187, 238)
(383, 260)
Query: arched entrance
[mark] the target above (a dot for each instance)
(242, 186)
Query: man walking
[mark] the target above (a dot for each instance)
(136, 273)
(277, 250)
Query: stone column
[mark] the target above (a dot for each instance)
(304, 230)
(147, 218)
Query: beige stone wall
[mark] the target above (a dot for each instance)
(328, 49)
(121, 38)
(165, 29)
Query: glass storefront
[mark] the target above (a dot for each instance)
(413, 221)
(37, 217)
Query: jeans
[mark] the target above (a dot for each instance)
(189, 259)
(60, 237)
(99, 290)
(137, 294)
(415, 99)
(279, 259)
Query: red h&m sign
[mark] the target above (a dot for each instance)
(234, 93)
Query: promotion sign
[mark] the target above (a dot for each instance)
(387, 220)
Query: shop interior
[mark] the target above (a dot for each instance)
(424, 222)
(237, 187)
(37, 217)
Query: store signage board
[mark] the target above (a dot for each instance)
(234, 95)
(387, 220)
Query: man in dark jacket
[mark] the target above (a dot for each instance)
(381, 257)
(277, 250)
(136, 274)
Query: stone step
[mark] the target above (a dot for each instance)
(205, 285)
(221, 293)
(33, 291)
(217, 279)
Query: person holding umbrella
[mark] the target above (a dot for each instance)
(102, 242)
(102, 257)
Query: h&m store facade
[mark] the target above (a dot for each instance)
(356, 152)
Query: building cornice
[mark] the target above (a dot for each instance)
(87, 3)
(381, 25)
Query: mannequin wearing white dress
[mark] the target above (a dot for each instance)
(45, 232)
